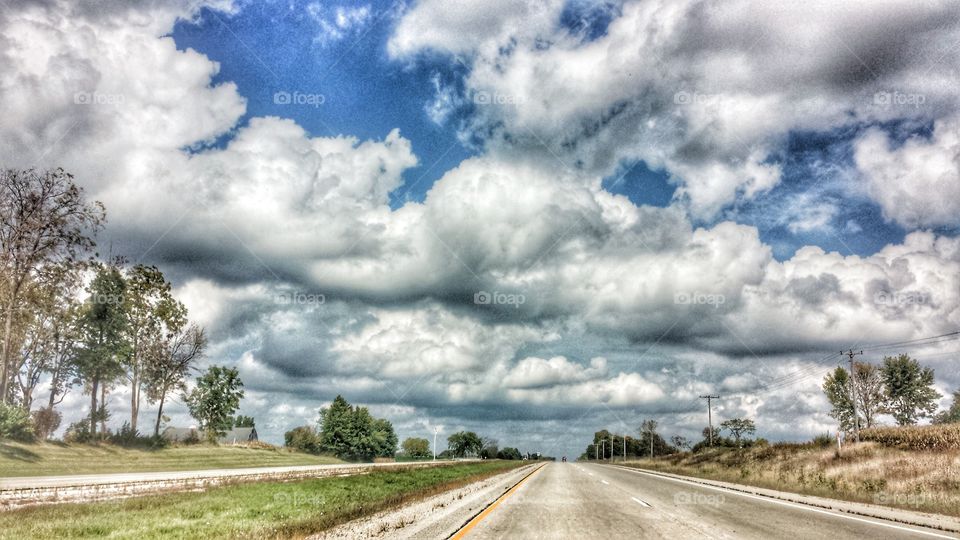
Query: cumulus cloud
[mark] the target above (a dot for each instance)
(916, 183)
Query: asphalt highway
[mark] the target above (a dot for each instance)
(576, 500)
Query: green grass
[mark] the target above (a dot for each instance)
(55, 459)
(269, 509)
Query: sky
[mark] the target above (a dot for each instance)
(532, 220)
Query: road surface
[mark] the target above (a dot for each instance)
(575, 500)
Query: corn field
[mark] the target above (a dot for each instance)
(935, 437)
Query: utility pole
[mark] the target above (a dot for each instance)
(853, 395)
(709, 398)
(624, 448)
(596, 451)
(435, 431)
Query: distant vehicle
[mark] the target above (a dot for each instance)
(564, 459)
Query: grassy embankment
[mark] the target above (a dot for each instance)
(915, 468)
(55, 459)
(268, 509)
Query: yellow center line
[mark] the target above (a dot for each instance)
(479, 517)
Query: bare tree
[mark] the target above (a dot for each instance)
(44, 219)
(170, 363)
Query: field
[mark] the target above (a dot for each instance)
(55, 459)
(926, 481)
(269, 509)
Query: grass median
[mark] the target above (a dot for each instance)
(57, 459)
(261, 510)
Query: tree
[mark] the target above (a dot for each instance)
(170, 362)
(152, 315)
(464, 443)
(45, 422)
(243, 422)
(489, 448)
(336, 428)
(48, 336)
(384, 439)
(951, 415)
(871, 399)
(680, 442)
(836, 386)
(509, 453)
(303, 438)
(909, 389)
(44, 219)
(416, 447)
(738, 427)
(102, 324)
(215, 399)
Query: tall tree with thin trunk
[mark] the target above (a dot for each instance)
(102, 344)
(214, 400)
(44, 219)
(170, 363)
(870, 395)
(152, 314)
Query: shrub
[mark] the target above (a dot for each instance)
(303, 438)
(15, 423)
(823, 441)
(45, 422)
(934, 437)
(79, 432)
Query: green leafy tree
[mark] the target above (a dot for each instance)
(909, 389)
(416, 447)
(384, 438)
(44, 219)
(102, 348)
(739, 427)
(870, 395)
(509, 453)
(243, 422)
(836, 386)
(951, 415)
(337, 428)
(152, 315)
(215, 399)
(464, 443)
(303, 438)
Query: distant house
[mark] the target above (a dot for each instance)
(234, 436)
(175, 434)
(239, 435)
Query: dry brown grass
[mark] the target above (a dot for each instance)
(927, 481)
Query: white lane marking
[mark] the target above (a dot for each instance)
(641, 502)
(794, 505)
(605, 482)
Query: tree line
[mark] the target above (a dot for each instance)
(71, 319)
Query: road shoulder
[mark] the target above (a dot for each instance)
(906, 517)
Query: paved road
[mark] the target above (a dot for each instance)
(574, 500)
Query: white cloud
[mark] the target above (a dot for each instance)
(917, 184)
(334, 24)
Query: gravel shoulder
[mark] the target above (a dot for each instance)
(438, 516)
